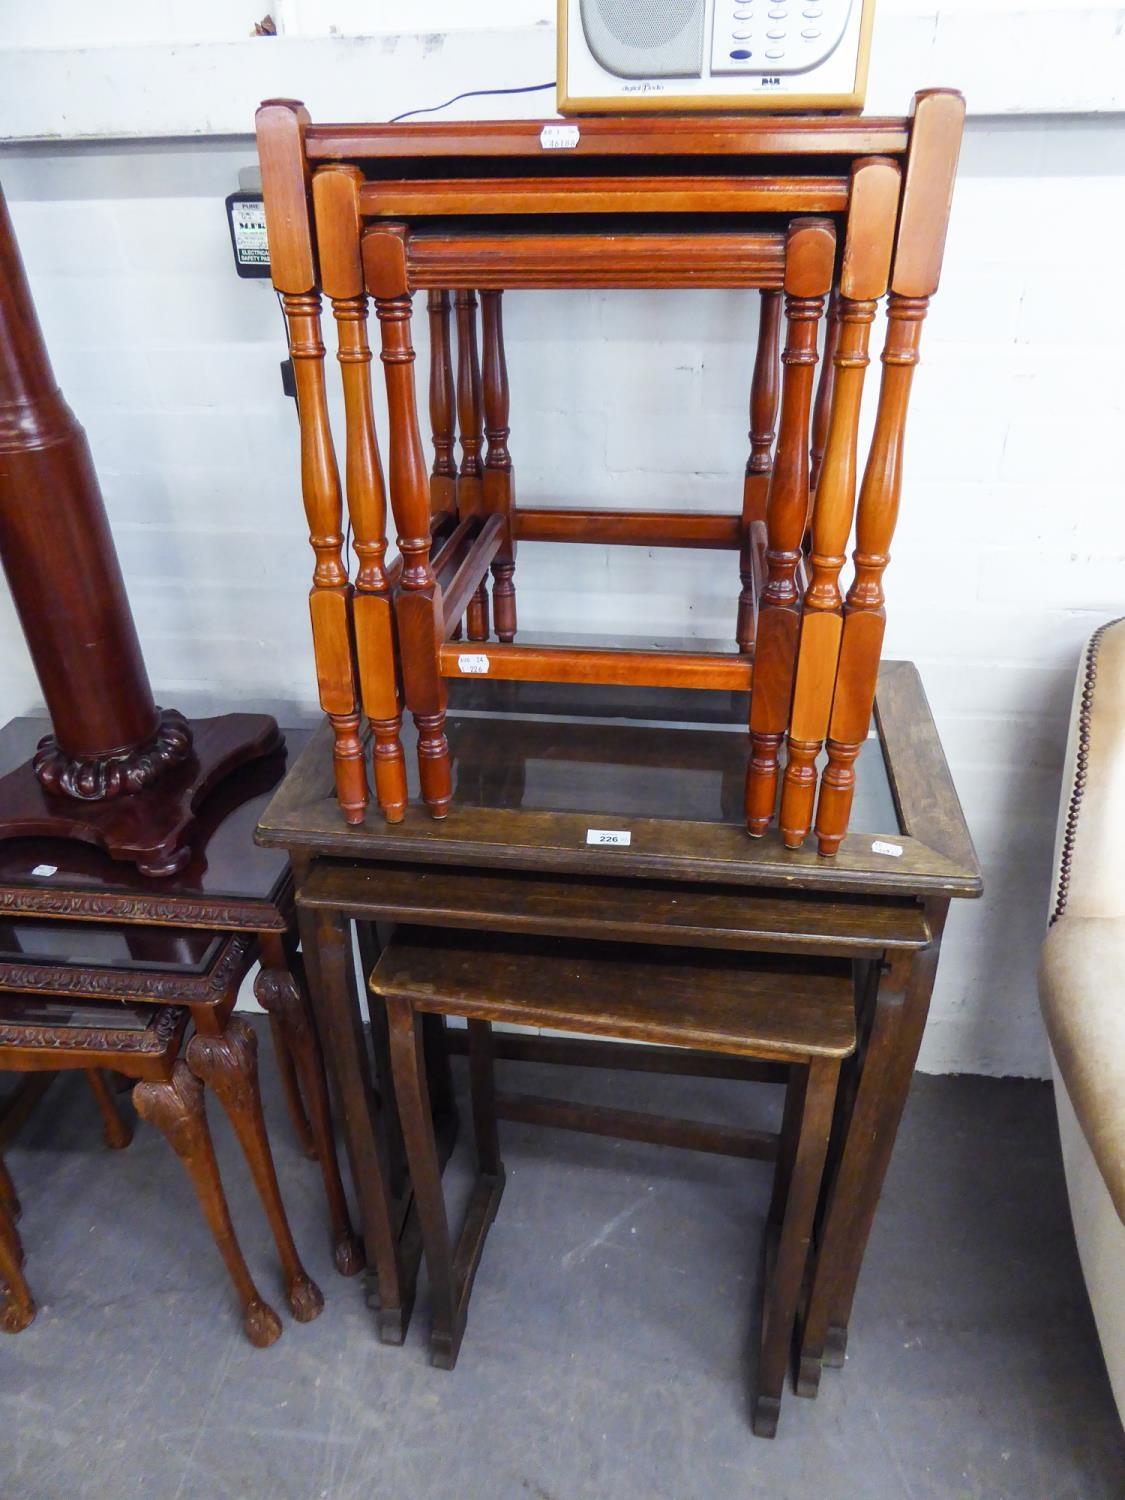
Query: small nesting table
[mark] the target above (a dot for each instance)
(79, 929)
(520, 852)
(732, 1005)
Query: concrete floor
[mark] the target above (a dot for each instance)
(608, 1350)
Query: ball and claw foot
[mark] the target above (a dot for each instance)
(767, 1409)
(348, 1255)
(16, 1316)
(306, 1299)
(262, 1324)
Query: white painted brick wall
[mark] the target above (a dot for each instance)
(1011, 546)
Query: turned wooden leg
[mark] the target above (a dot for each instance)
(434, 771)
(18, 1308)
(418, 611)
(289, 1086)
(504, 600)
(350, 772)
(286, 1003)
(8, 1197)
(837, 788)
(176, 1109)
(118, 1132)
(476, 618)
(798, 791)
(761, 782)
(809, 261)
(10, 1235)
(228, 1065)
(390, 767)
(498, 492)
(783, 1287)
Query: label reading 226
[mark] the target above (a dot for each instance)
(608, 836)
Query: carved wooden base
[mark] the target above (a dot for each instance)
(153, 828)
(102, 777)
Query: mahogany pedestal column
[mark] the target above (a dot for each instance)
(117, 771)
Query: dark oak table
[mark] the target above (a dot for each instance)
(541, 772)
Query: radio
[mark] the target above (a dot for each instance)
(658, 55)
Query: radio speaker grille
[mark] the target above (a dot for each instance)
(645, 38)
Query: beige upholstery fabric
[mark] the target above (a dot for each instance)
(1101, 1239)
(1082, 992)
(1082, 984)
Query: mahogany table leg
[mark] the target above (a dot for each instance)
(899, 1019)
(10, 1234)
(228, 1065)
(784, 1285)
(287, 1070)
(326, 943)
(176, 1109)
(118, 1132)
(17, 1306)
(281, 994)
(9, 1199)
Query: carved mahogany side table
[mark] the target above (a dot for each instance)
(524, 849)
(76, 924)
(142, 1042)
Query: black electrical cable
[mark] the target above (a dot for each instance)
(527, 88)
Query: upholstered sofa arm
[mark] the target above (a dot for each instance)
(1082, 966)
(1082, 992)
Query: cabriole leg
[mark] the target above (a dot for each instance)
(228, 1065)
(176, 1109)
